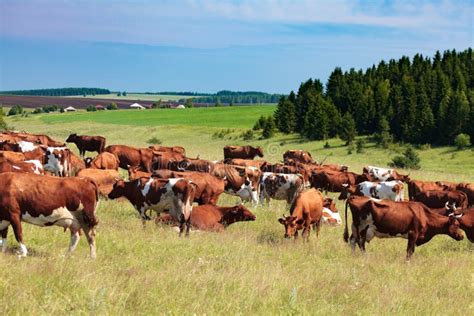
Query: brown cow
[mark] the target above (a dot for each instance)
(417, 186)
(77, 164)
(12, 156)
(245, 162)
(105, 179)
(189, 164)
(243, 152)
(385, 218)
(467, 188)
(302, 156)
(131, 156)
(87, 143)
(466, 222)
(213, 218)
(335, 181)
(172, 195)
(438, 199)
(29, 166)
(306, 210)
(103, 160)
(173, 149)
(46, 201)
(36, 139)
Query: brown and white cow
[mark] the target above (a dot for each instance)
(173, 195)
(384, 174)
(306, 211)
(243, 152)
(302, 156)
(384, 219)
(386, 190)
(103, 160)
(105, 179)
(213, 218)
(294, 169)
(131, 156)
(280, 186)
(45, 201)
(87, 143)
(28, 166)
(239, 181)
(330, 214)
(438, 199)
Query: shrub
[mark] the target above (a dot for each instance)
(360, 146)
(259, 124)
(16, 109)
(350, 148)
(247, 135)
(326, 145)
(112, 106)
(269, 127)
(61, 110)
(347, 130)
(409, 160)
(91, 108)
(154, 141)
(462, 141)
(37, 111)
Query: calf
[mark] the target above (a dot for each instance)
(383, 174)
(242, 152)
(385, 218)
(281, 168)
(387, 190)
(104, 160)
(105, 179)
(438, 199)
(213, 218)
(173, 195)
(47, 201)
(87, 143)
(306, 210)
(29, 166)
(280, 186)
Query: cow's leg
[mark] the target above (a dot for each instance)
(362, 239)
(296, 234)
(90, 235)
(188, 227)
(412, 236)
(17, 229)
(354, 238)
(4, 239)
(74, 239)
(306, 232)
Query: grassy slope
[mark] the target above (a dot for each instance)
(137, 96)
(247, 269)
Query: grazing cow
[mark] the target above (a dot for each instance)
(245, 162)
(77, 164)
(130, 156)
(87, 143)
(280, 186)
(385, 218)
(57, 160)
(306, 210)
(335, 181)
(330, 214)
(239, 181)
(417, 186)
(172, 195)
(467, 188)
(208, 187)
(383, 174)
(28, 166)
(466, 221)
(302, 156)
(47, 201)
(12, 156)
(242, 152)
(438, 199)
(173, 149)
(105, 179)
(103, 160)
(386, 190)
(213, 218)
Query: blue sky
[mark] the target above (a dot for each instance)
(211, 45)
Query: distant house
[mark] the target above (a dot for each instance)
(181, 106)
(99, 107)
(70, 109)
(137, 106)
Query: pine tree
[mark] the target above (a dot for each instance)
(347, 129)
(383, 138)
(425, 122)
(3, 124)
(316, 125)
(285, 116)
(269, 128)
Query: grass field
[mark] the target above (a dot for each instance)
(248, 269)
(138, 96)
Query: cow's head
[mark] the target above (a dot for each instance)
(292, 225)
(259, 151)
(346, 191)
(72, 138)
(118, 190)
(239, 213)
(453, 227)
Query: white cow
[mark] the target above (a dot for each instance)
(384, 174)
(387, 190)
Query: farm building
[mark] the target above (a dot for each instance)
(180, 107)
(99, 107)
(70, 109)
(137, 106)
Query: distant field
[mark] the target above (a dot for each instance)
(138, 96)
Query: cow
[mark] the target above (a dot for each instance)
(245, 162)
(12, 156)
(28, 166)
(189, 164)
(57, 160)
(213, 218)
(466, 220)
(417, 186)
(105, 179)
(208, 187)
(438, 199)
(386, 190)
(281, 168)
(173, 149)
(280, 186)
(87, 143)
(446, 185)
(330, 214)
(77, 164)
(467, 188)
(173, 195)
(383, 174)
(335, 181)
(130, 156)
(239, 181)
(45, 201)
(302, 156)
(36, 139)
(242, 152)
(384, 218)
(104, 160)
(306, 210)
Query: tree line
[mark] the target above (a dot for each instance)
(422, 100)
(59, 92)
(237, 97)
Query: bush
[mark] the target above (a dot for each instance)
(360, 146)
(462, 141)
(269, 128)
(112, 106)
(350, 148)
(222, 133)
(16, 109)
(247, 135)
(326, 145)
(154, 141)
(259, 124)
(91, 108)
(61, 110)
(37, 111)
(409, 160)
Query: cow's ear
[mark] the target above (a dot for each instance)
(281, 220)
(300, 221)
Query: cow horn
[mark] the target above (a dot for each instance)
(458, 215)
(446, 205)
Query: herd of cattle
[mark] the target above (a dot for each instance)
(44, 183)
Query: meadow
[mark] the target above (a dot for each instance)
(248, 269)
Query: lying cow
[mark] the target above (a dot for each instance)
(330, 214)
(87, 143)
(280, 186)
(172, 195)
(438, 199)
(105, 179)
(29, 166)
(242, 152)
(384, 218)
(44, 201)
(306, 211)
(213, 218)
(387, 190)
(384, 174)
(104, 161)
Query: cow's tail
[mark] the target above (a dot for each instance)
(346, 230)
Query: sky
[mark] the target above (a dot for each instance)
(212, 45)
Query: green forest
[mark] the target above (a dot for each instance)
(419, 101)
(59, 92)
(237, 97)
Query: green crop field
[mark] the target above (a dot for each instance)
(138, 96)
(248, 269)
